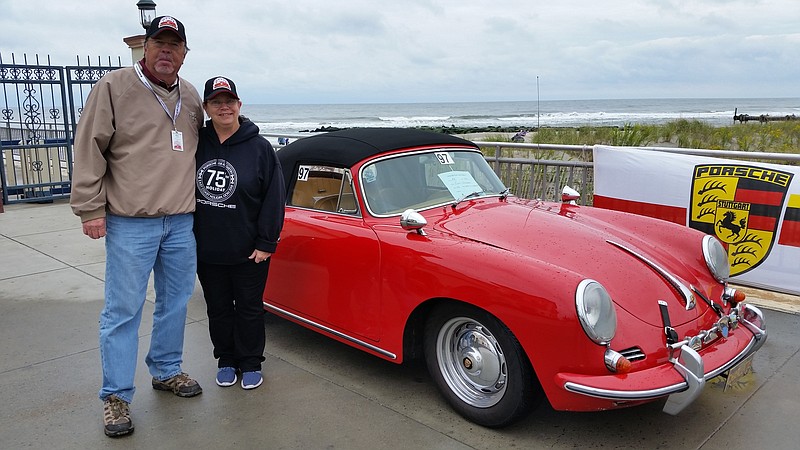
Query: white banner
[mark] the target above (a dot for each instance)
(753, 208)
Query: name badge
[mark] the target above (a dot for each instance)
(177, 141)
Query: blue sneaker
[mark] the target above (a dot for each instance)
(251, 380)
(226, 376)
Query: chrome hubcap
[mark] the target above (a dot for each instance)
(471, 362)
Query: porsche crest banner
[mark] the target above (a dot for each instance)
(753, 208)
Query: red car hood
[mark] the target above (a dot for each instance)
(577, 239)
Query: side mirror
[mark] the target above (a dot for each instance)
(569, 195)
(413, 221)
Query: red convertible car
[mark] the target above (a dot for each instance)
(405, 243)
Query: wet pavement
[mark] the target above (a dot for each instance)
(318, 393)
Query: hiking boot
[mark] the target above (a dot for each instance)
(251, 380)
(116, 417)
(226, 376)
(180, 385)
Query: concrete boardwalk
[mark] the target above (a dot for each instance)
(318, 394)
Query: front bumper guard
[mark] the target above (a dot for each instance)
(689, 364)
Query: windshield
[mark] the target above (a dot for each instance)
(425, 180)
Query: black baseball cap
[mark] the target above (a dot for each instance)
(165, 23)
(219, 85)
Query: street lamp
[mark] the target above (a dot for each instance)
(147, 12)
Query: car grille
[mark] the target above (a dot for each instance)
(632, 354)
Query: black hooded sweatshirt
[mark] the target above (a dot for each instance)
(240, 195)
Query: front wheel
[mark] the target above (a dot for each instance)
(479, 366)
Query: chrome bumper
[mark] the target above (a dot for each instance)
(689, 364)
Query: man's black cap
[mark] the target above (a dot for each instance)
(165, 23)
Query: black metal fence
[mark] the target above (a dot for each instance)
(41, 104)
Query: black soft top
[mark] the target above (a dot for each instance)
(346, 147)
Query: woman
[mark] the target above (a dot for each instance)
(238, 220)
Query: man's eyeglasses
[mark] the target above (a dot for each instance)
(229, 102)
(172, 45)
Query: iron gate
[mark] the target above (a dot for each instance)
(41, 106)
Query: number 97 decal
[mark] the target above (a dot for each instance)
(444, 158)
(303, 172)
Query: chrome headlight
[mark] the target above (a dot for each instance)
(596, 311)
(716, 258)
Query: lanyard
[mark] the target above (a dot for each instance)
(174, 117)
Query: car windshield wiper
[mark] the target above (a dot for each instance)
(504, 193)
(470, 195)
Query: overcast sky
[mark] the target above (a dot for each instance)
(366, 51)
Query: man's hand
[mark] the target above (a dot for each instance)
(95, 228)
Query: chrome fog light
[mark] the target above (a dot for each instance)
(616, 363)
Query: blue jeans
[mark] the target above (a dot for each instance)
(136, 246)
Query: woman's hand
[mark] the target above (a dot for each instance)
(259, 256)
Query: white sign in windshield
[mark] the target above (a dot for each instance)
(460, 183)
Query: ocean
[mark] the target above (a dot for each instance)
(292, 119)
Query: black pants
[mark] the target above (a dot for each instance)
(235, 312)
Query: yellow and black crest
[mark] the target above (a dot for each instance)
(741, 205)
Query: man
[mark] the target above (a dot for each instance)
(134, 184)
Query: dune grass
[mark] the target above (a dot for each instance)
(535, 179)
(773, 137)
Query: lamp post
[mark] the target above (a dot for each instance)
(147, 12)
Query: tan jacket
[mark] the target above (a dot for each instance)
(124, 162)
